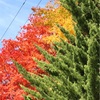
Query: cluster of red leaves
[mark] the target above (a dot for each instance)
(22, 50)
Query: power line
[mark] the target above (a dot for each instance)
(31, 14)
(13, 20)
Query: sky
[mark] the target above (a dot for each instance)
(8, 10)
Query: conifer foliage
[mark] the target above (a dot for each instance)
(73, 74)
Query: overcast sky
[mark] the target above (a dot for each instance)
(8, 9)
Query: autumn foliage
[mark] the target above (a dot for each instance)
(41, 30)
(52, 15)
(21, 50)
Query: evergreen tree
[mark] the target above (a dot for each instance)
(73, 74)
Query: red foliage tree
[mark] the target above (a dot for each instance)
(22, 50)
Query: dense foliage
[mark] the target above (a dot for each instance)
(73, 73)
(23, 50)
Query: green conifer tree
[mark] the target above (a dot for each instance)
(74, 71)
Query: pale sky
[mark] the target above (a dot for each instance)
(8, 9)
